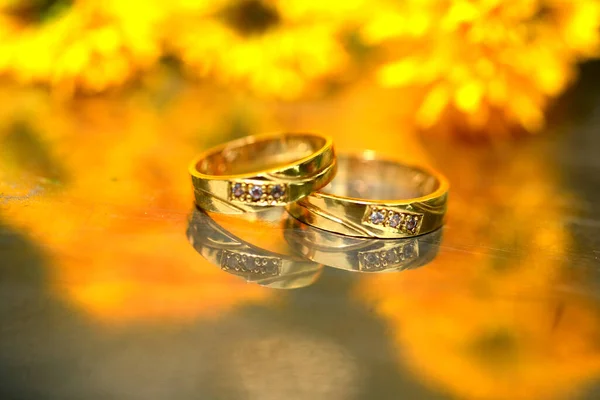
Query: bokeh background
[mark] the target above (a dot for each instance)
(103, 104)
(483, 65)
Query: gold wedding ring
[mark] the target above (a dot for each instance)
(377, 198)
(262, 171)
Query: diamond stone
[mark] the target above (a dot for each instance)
(230, 262)
(411, 224)
(271, 268)
(256, 192)
(390, 256)
(377, 217)
(395, 220)
(233, 261)
(408, 251)
(372, 260)
(277, 191)
(249, 266)
(237, 190)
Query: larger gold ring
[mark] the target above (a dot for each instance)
(262, 171)
(377, 198)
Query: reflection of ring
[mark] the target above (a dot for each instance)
(238, 257)
(257, 172)
(361, 254)
(350, 204)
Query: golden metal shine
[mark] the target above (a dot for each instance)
(262, 171)
(377, 198)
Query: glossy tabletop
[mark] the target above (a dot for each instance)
(109, 288)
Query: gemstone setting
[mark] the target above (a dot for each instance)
(246, 264)
(277, 191)
(237, 190)
(411, 223)
(377, 217)
(258, 193)
(396, 257)
(393, 220)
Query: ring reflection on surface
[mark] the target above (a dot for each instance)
(360, 254)
(239, 257)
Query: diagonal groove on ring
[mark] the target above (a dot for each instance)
(303, 178)
(350, 225)
(427, 208)
(223, 201)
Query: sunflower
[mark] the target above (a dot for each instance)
(482, 64)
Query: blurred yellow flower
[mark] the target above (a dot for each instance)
(483, 65)
(88, 45)
(490, 64)
(258, 45)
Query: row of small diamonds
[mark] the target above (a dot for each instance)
(400, 221)
(385, 258)
(249, 263)
(253, 193)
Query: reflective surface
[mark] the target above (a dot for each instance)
(361, 254)
(103, 296)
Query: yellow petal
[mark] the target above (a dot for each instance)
(399, 73)
(435, 102)
(468, 97)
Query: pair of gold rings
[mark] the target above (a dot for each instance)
(358, 195)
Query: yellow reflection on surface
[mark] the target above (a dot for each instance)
(490, 317)
(109, 197)
(101, 184)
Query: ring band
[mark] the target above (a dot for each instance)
(255, 264)
(377, 198)
(262, 171)
(361, 254)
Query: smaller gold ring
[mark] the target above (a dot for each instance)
(262, 171)
(377, 198)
